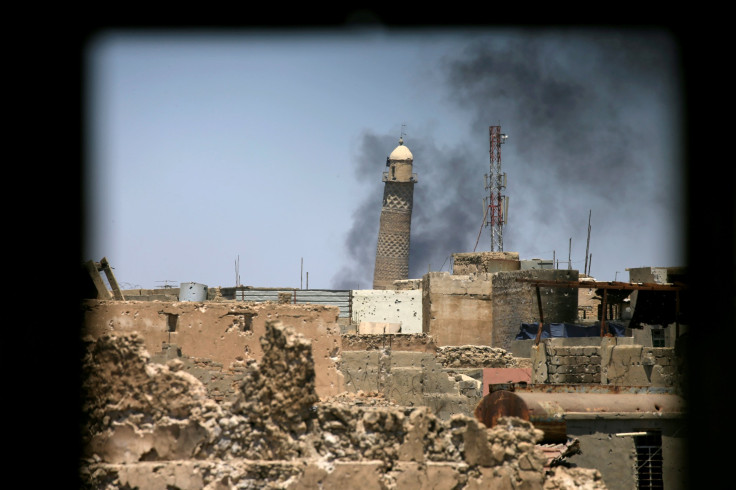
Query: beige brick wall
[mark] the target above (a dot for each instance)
(227, 333)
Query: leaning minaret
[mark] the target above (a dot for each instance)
(392, 251)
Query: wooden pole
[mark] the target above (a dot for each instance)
(569, 255)
(541, 317)
(604, 328)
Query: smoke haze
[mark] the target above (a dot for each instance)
(593, 120)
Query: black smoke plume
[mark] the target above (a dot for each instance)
(591, 117)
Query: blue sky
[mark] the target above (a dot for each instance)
(267, 147)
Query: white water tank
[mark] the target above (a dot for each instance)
(192, 291)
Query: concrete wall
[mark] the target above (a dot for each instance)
(457, 309)
(391, 306)
(636, 365)
(411, 371)
(609, 361)
(406, 284)
(644, 336)
(413, 378)
(615, 456)
(658, 275)
(484, 262)
(226, 333)
(222, 383)
(160, 294)
(488, 308)
(514, 302)
(536, 264)
(575, 364)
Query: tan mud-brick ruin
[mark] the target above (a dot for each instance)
(504, 373)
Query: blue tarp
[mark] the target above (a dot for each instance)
(556, 330)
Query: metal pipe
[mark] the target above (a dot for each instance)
(569, 255)
(541, 317)
(587, 246)
(481, 225)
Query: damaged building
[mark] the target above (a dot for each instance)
(434, 383)
(502, 373)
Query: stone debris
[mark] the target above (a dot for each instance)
(475, 356)
(352, 341)
(138, 411)
(562, 478)
(153, 426)
(277, 395)
(361, 398)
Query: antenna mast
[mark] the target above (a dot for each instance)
(586, 271)
(496, 204)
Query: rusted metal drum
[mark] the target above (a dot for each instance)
(499, 404)
(502, 403)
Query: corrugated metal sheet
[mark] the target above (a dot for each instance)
(327, 297)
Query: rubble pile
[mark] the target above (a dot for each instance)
(352, 341)
(137, 411)
(152, 426)
(475, 356)
(276, 396)
(361, 398)
(562, 478)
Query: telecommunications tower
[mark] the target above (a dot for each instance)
(496, 205)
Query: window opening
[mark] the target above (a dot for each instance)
(171, 321)
(658, 337)
(649, 461)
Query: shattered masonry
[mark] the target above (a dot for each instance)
(153, 426)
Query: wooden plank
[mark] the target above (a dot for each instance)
(117, 293)
(94, 272)
(604, 328)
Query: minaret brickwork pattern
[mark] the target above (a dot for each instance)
(392, 250)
